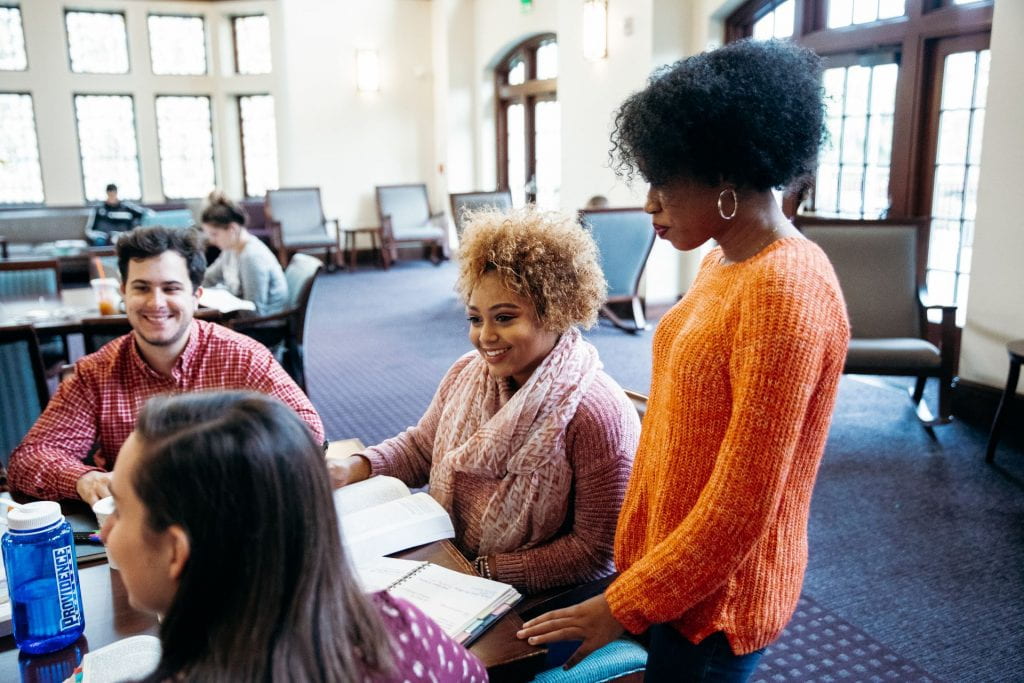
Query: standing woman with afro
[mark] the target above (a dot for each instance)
(711, 543)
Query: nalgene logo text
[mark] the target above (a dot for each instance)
(67, 587)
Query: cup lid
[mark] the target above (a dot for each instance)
(33, 516)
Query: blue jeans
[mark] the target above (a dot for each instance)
(671, 657)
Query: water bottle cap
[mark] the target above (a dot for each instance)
(38, 515)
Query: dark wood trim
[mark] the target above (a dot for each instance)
(527, 94)
(932, 101)
(976, 404)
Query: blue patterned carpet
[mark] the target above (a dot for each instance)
(916, 546)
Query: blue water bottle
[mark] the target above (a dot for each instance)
(42, 578)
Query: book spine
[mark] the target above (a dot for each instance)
(408, 576)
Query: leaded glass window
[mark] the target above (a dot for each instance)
(259, 144)
(957, 163)
(12, 40)
(97, 42)
(185, 139)
(853, 167)
(108, 146)
(177, 45)
(777, 22)
(21, 179)
(252, 44)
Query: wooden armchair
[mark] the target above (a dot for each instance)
(881, 269)
(297, 223)
(624, 239)
(405, 218)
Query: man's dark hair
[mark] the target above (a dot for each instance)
(111, 187)
(151, 241)
(750, 113)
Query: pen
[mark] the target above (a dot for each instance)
(87, 537)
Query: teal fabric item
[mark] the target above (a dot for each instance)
(624, 239)
(28, 284)
(19, 402)
(173, 218)
(617, 658)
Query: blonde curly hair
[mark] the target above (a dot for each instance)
(543, 256)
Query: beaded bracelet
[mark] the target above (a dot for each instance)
(481, 566)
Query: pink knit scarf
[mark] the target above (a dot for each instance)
(517, 438)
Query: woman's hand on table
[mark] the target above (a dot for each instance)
(345, 471)
(590, 621)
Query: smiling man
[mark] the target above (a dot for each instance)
(71, 449)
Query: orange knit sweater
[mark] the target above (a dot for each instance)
(713, 531)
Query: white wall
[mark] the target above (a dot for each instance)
(995, 312)
(52, 85)
(347, 142)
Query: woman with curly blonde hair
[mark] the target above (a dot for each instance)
(527, 443)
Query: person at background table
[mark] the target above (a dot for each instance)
(72, 447)
(711, 544)
(111, 218)
(527, 442)
(225, 527)
(246, 267)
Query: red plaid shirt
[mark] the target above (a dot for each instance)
(99, 404)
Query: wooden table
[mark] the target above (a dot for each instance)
(109, 617)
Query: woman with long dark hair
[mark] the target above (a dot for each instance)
(225, 527)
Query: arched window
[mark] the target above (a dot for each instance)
(905, 86)
(528, 122)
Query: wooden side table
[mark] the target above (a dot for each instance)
(1015, 349)
(375, 243)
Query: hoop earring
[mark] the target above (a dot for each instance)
(735, 204)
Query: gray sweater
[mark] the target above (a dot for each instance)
(252, 274)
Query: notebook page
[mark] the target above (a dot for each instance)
(127, 659)
(380, 573)
(456, 601)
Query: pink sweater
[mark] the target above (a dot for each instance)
(600, 442)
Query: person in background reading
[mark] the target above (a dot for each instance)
(225, 527)
(598, 201)
(711, 544)
(72, 447)
(111, 218)
(246, 267)
(527, 442)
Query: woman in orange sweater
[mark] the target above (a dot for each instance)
(711, 543)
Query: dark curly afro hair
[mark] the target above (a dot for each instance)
(750, 114)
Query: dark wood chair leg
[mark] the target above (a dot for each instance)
(919, 389)
(1000, 419)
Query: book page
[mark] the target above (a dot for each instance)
(457, 602)
(224, 301)
(380, 573)
(128, 659)
(368, 493)
(393, 526)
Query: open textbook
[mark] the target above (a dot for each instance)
(463, 605)
(224, 301)
(380, 516)
(125, 660)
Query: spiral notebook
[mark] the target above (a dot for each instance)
(463, 605)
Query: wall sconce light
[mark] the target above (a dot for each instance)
(595, 29)
(367, 70)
